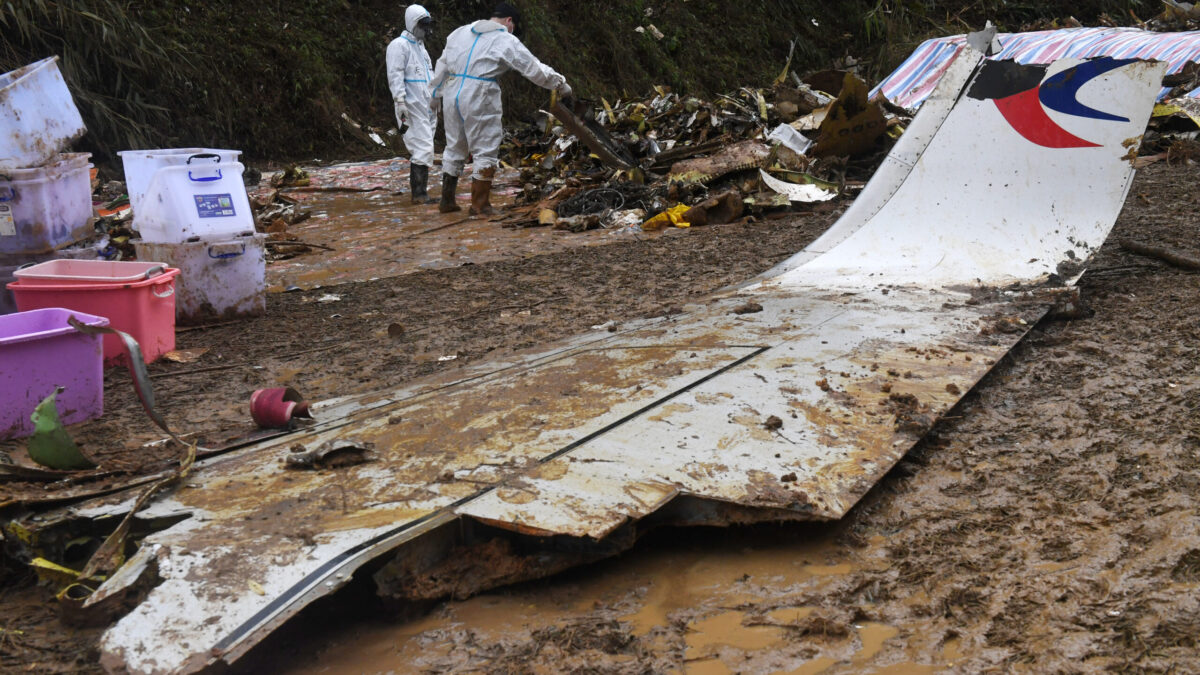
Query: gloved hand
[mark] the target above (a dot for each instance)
(402, 116)
(564, 90)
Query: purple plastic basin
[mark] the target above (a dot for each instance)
(39, 351)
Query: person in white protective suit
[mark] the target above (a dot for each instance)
(465, 80)
(408, 72)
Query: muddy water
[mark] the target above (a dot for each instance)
(717, 603)
(380, 234)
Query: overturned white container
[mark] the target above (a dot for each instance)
(46, 207)
(194, 201)
(219, 279)
(37, 114)
(141, 165)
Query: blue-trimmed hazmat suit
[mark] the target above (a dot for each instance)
(465, 80)
(409, 69)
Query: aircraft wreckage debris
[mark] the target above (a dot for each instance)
(512, 469)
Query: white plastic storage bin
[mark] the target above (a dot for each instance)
(205, 201)
(141, 165)
(37, 114)
(219, 279)
(46, 207)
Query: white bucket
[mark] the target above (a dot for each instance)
(219, 280)
(141, 165)
(47, 207)
(37, 114)
(206, 201)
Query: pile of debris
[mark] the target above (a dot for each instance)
(677, 160)
(1173, 133)
(1176, 16)
(275, 212)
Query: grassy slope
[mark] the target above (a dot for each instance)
(272, 77)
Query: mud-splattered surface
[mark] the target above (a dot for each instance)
(1047, 524)
(378, 233)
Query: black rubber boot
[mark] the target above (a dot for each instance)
(418, 177)
(449, 187)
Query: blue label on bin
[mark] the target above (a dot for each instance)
(214, 206)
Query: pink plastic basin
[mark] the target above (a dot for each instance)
(66, 271)
(40, 351)
(145, 309)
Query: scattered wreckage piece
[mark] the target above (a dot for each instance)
(785, 399)
(851, 123)
(330, 454)
(739, 156)
(796, 192)
(594, 136)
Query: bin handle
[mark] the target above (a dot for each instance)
(205, 155)
(157, 269)
(12, 191)
(25, 266)
(223, 256)
(205, 180)
(169, 292)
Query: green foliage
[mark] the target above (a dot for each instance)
(274, 78)
(112, 62)
(51, 445)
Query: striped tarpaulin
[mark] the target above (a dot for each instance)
(909, 84)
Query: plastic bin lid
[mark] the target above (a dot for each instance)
(39, 324)
(175, 153)
(89, 271)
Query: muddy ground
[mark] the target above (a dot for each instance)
(1047, 524)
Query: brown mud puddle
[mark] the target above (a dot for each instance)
(378, 233)
(684, 603)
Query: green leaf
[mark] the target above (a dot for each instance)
(51, 445)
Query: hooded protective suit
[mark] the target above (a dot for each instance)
(408, 72)
(465, 80)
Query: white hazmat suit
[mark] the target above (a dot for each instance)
(408, 73)
(465, 79)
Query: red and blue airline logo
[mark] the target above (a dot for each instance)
(1023, 96)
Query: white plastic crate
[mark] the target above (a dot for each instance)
(37, 114)
(195, 201)
(141, 165)
(46, 207)
(219, 279)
